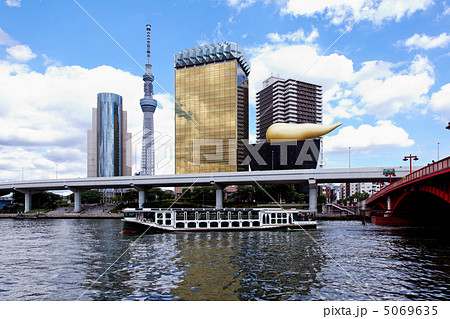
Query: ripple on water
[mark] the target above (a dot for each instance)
(60, 259)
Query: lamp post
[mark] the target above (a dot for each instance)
(448, 127)
(349, 151)
(438, 151)
(410, 157)
(56, 171)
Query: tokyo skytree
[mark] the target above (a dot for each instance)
(148, 106)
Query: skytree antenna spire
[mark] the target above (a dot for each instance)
(148, 43)
(148, 106)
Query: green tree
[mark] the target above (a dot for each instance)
(157, 194)
(130, 196)
(321, 199)
(44, 200)
(244, 194)
(91, 197)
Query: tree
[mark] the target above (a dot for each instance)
(89, 197)
(203, 195)
(157, 194)
(321, 199)
(43, 200)
(244, 194)
(359, 196)
(130, 196)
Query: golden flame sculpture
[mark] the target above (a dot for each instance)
(283, 132)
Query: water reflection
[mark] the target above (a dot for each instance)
(278, 265)
(207, 262)
(60, 259)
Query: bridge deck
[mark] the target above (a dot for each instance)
(434, 169)
(331, 175)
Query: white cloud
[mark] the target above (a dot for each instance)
(446, 9)
(381, 89)
(20, 53)
(164, 135)
(241, 4)
(440, 102)
(13, 3)
(45, 118)
(344, 11)
(426, 42)
(299, 36)
(384, 93)
(367, 138)
(293, 61)
(53, 110)
(49, 61)
(5, 38)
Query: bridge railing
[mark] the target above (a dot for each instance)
(440, 165)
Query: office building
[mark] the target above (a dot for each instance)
(148, 106)
(211, 109)
(287, 101)
(109, 143)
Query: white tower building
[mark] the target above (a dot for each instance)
(148, 106)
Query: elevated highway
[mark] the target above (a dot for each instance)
(218, 180)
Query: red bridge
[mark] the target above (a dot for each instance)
(420, 198)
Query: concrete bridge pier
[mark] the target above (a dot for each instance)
(219, 195)
(27, 201)
(77, 201)
(141, 196)
(312, 194)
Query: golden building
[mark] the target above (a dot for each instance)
(211, 109)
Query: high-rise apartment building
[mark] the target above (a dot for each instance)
(211, 108)
(287, 101)
(109, 143)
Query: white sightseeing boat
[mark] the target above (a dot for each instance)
(209, 219)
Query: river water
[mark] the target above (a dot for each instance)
(63, 259)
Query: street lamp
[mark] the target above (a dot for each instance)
(448, 127)
(349, 151)
(410, 157)
(438, 151)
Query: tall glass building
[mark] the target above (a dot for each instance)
(211, 109)
(109, 143)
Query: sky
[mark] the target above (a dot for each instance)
(383, 65)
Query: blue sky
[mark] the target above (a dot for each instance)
(385, 76)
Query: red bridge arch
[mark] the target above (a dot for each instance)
(414, 198)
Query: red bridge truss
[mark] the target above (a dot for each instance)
(414, 199)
